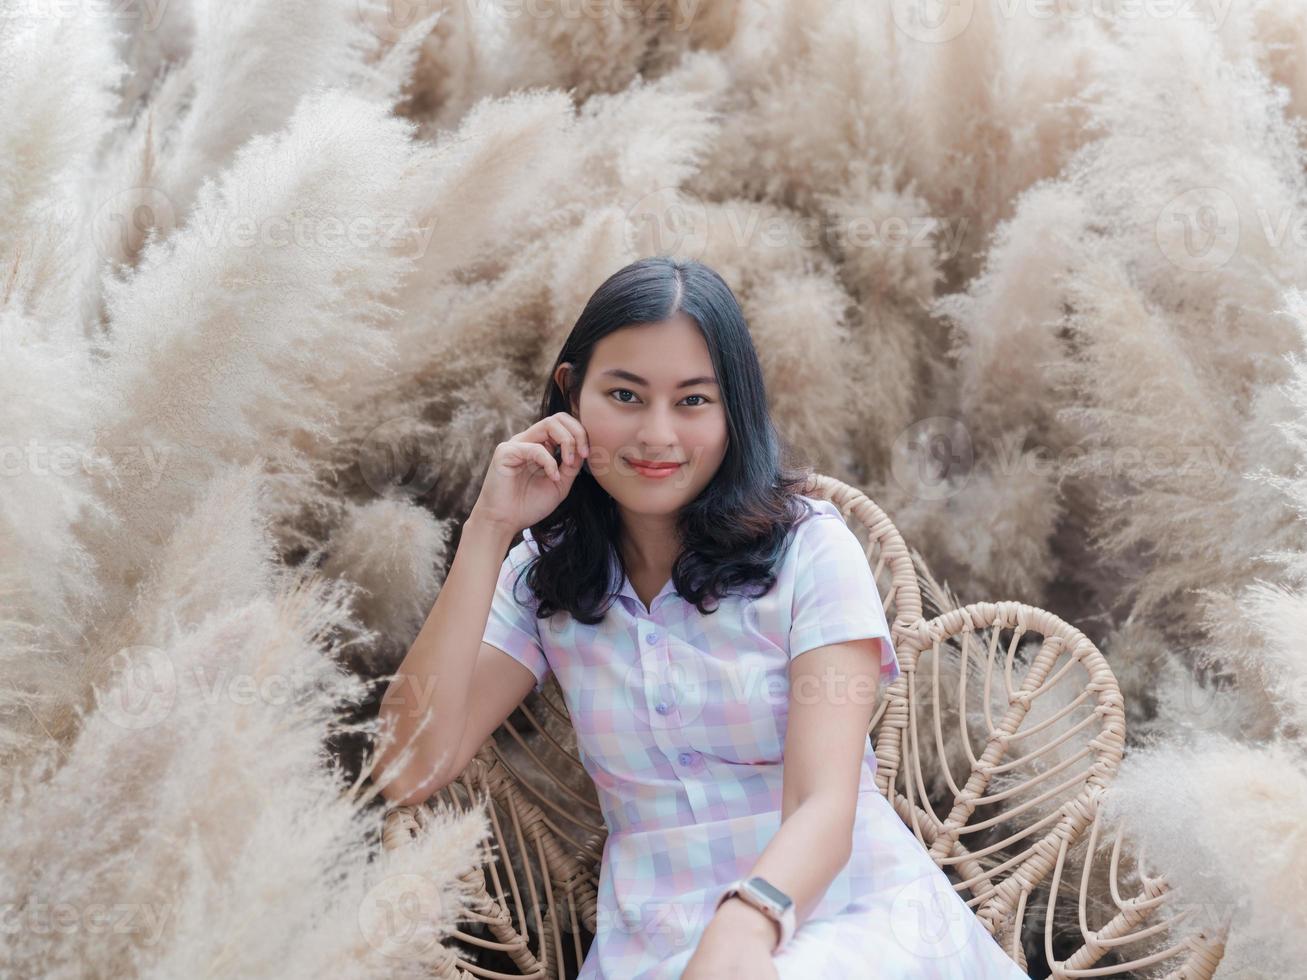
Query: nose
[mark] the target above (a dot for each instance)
(657, 433)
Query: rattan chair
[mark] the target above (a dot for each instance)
(994, 747)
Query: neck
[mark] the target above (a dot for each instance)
(649, 542)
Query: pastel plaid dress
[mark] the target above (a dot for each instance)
(680, 721)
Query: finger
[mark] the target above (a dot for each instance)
(546, 460)
(564, 436)
(583, 437)
(541, 431)
(546, 432)
(529, 451)
(573, 466)
(574, 424)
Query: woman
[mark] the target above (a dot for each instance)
(720, 642)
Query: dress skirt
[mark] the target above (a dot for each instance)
(910, 923)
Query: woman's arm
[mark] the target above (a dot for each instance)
(424, 712)
(427, 701)
(832, 698)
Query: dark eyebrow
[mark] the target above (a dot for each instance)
(689, 382)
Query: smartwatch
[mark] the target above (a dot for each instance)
(766, 897)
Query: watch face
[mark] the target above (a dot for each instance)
(772, 894)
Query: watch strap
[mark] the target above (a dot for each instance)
(785, 919)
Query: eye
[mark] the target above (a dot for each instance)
(703, 400)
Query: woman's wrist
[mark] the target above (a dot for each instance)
(497, 533)
(739, 917)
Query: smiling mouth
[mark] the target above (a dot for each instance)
(653, 466)
(654, 471)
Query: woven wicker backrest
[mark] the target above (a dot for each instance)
(994, 746)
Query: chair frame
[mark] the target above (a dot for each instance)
(562, 842)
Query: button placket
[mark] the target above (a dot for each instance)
(654, 660)
(691, 765)
(669, 736)
(653, 672)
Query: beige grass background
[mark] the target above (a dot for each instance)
(276, 277)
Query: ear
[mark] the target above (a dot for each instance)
(562, 375)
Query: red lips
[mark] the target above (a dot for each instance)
(646, 464)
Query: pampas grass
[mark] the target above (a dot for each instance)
(231, 277)
(392, 551)
(1256, 889)
(193, 799)
(274, 280)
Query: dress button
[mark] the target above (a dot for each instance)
(685, 758)
(662, 708)
(651, 638)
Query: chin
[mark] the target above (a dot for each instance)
(652, 500)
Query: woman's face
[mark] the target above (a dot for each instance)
(636, 405)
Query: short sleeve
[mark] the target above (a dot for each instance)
(512, 624)
(835, 593)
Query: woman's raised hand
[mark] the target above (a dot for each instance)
(524, 482)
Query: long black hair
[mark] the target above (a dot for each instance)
(734, 531)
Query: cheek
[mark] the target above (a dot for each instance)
(709, 435)
(602, 424)
(607, 431)
(705, 443)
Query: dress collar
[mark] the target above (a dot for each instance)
(624, 587)
(623, 583)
